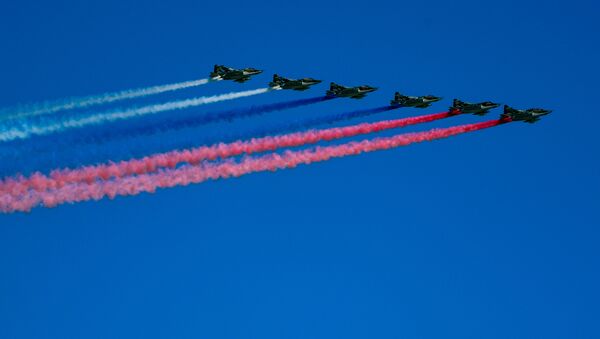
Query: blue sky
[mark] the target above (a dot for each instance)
(490, 234)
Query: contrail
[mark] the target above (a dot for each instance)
(186, 175)
(88, 174)
(83, 102)
(26, 130)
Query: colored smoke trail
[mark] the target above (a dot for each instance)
(73, 148)
(88, 174)
(51, 149)
(83, 102)
(309, 123)
(133, 185)
(191, 121)
(26, 130)
(230, 115)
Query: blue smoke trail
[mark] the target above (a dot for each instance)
(121, 131)
(308, 123)
(138, 146)
(205, 119)
(167, 144)
(50, 148)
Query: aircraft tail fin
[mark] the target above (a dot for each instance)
(333, 86)
(216, 71)
(508, 109)
(507, 113)
(333, 89)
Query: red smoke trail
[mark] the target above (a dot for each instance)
(89, 174)
(186, 175)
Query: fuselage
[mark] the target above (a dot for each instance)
(529, 115)
(226, 73)
(410, 101)
(481, 108)
(236, 74)
(298, 85)
(351, 92)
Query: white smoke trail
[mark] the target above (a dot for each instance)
(26, 130)
(82, 102)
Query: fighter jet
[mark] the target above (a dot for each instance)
(527, 115)
(357, 92)
(480, 108)
(221, 72)
(294, 84)
(409, 101)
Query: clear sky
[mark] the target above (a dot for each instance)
(493, 234)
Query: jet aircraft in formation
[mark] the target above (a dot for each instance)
(357, 92)
(480, 108)
(221, 72)
(410, 101)
(294, 84)
(531, 115)
(527, 115)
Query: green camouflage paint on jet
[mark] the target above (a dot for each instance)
(221, 72)
(357, 92)
(410, 101)
(526, 115)
(481, 108)
(293, 84)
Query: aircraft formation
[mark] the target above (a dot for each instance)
(531, 115)
(48, 159)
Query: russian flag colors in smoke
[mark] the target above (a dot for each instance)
(112, 177)
(190, 174)
(59, 178)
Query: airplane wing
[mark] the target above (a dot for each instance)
(242, 80)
